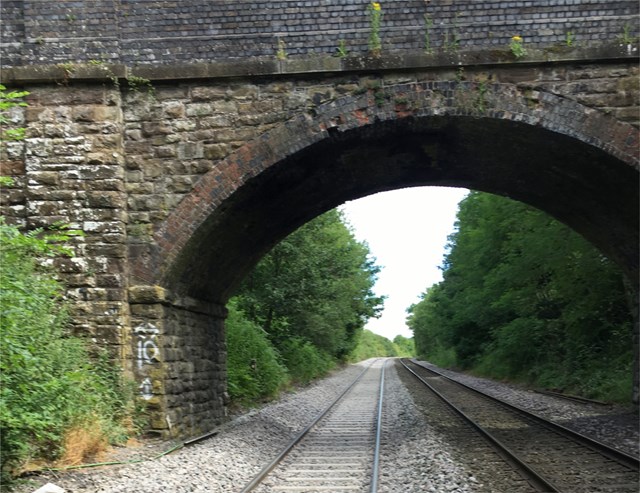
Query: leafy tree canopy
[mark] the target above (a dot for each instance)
(315, 285)
(524, 297)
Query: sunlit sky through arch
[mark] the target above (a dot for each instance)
(406, 231)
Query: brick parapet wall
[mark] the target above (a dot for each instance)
(160, 32)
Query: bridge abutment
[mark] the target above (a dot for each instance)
(178, 360)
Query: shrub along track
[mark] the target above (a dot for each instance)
(554, 458)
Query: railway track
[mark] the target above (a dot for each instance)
(549, 457)
(339, 451)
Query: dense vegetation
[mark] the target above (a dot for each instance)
(301, 310)
(525, 298)
(56, 402)
(372, 345)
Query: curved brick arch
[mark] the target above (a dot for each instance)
(217, 232)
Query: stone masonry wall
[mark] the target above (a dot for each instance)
(179, 360)
(116, 160)
(168, 31)
(70, 169)
(185, 129)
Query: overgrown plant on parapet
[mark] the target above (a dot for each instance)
(452, 39)
(626, 37)
(428, 26)
(570, 38)
(375, 20)
(516, 46)
(281, 53)
(341, 50)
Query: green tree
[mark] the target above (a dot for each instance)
(316, 286)
(404, 346)
(429, 320)
(371, 345)
(524, 297)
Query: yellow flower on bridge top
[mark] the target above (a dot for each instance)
(376, 6)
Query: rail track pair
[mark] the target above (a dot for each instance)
(340, 450)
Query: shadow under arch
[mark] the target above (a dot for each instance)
(570, 161)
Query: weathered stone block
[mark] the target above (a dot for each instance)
(106, 199)
(147, 311)
(173, 109)
(12, 168)
(208, 93)
(146, 294)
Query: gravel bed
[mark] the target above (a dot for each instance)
(227, 461)
(616, 426)
(414, 457)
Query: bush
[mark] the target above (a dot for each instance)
(305, 361)
(443, 357)
(371, 345)
(254, 370)
(48, 383)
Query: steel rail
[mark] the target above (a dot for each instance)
(262, 474)
(376, 451)
(603, 449)
(575, 398)
(531, 475)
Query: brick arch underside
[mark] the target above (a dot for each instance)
(572, 162)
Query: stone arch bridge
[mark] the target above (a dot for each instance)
(184, 173)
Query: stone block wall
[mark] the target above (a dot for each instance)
(179, 361)
(117, 160)
(181, 132)
(161, 32)
(70, 169)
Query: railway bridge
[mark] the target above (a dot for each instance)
(187, 138)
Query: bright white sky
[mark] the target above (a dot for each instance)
(406, 231)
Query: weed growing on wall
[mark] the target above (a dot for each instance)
(570, 38)
(375, 20)
(517, 47)
(136, 84)
(8, 100)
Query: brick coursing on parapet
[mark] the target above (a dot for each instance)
(145, 31)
